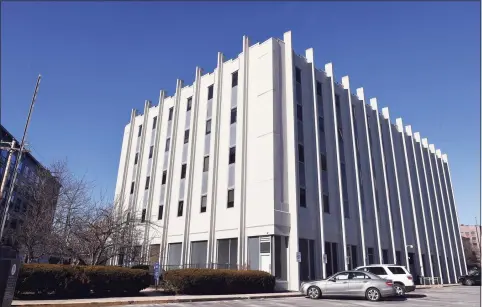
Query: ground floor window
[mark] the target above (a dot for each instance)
(306, 248)
(174, 251)
(227, 254)
(199, 252)
(331, 251)
(351, 252)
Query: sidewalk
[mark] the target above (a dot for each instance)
(151, 296)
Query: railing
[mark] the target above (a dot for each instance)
(219, 266)
(429, 280)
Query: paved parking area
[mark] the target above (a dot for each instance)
(439, 297)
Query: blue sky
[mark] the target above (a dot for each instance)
(101, 59)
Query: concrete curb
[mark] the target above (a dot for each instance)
(436, 286)
(151, 300)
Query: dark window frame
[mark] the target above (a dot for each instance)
(189, 104)
(143, 215)
(154, 122)
(234, 79)
(171, 112)
(186, 136)
(232, 155)
(180, 208)
(164, 177)
(148, 183)
(183, 171)
(234, 115)
(302, 197)
(205, 164)
(326, 203)
(133, 187)
(298, 74)
(136, 158)
(208, 127)
(160, 212)
(210, 92)
(204, 203)
(301, 153)
(139, 133)
(299, 112)
(230, 202)
(151, 152)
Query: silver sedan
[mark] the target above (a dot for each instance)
(350, 283)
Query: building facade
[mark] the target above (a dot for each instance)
(29, 172)
(471, 238)
(269, 163)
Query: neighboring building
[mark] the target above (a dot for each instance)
(471, 237)
(267, 162)
(28, 174)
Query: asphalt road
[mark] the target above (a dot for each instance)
(446, 297)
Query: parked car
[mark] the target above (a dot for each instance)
(402, 279)
(470, 279)
(350, 283)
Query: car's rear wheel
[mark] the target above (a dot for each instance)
(399, 289)
(373, 294)
(314, 292)
(469, 282)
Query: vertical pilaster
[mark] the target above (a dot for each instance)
(330, 74)
(185, 249)
(290, 161)
(346, 85)
(214, 153)
(408, 130)
(425, 145)
(361, 96)
(447, 222)
(449, 177)
(155, 159)
(170, 172)
(240, 192)
(310, 59)
(457, 243)
(374, 105)
(416, 136)
(399, 126)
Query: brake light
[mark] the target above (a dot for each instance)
(389, 283)
(409, 277)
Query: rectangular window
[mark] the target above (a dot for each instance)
(189, 104)
(234, 115)
(140, 131)
(164, 177)
(321, 124)
(234, 79)
(346, 209)
(337, 102)
(180, 208)
(301, 153)
(159, 214)
(326, 203)
(208, 127)
(302, 197)
(148, 179)
(143, 216)
(168, 143)
(323, 162)
(318, 88)
(206, 164)
(210, 92)
(231, 198)
(371, 257)
(183, 171)
(186, 136)
(132, 187)
(151, 152)
(299, 112)
(204, 200)
(136, 158)
(170, 113)
(298, 75)
(154, 122)
(232, 155)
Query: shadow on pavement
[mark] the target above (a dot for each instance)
(415, 295)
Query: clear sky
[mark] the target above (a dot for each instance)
(101, 59)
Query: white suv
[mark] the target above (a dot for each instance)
(402, 279)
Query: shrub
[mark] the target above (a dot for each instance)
(210, 281)
(80, 281)
(140, 267)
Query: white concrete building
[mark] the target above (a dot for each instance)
(268, 161)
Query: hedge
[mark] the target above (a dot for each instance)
(80, 281)
(140, 266)
(212, 281)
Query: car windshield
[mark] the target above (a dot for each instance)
(397, 270)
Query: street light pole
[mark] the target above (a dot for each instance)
(7, 168)
(19, 158)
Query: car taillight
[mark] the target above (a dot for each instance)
(409, 277)
(389, 283)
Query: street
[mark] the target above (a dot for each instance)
(448, 296)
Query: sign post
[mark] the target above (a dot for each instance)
(9, 268)
(156, 273)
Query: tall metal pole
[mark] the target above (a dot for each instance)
(19, 158)
(11, 150)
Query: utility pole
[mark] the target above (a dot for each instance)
(19, 158)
